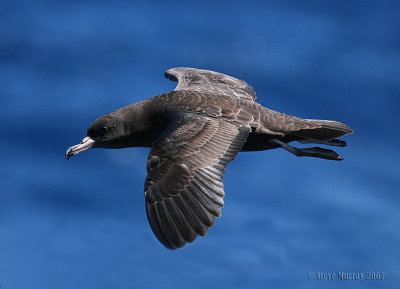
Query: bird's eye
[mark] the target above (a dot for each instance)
(103, 131)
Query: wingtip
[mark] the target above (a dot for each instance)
(169, 75)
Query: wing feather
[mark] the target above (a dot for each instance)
(185, 230)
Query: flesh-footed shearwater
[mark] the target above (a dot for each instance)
(194, 132)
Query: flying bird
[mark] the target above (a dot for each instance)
(194, 132)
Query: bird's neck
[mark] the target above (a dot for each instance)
(144, 124)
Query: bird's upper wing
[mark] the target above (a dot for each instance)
(210, 81)
(183, 189)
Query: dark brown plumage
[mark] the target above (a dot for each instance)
(194, 132)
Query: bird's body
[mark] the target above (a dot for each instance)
(194, 132)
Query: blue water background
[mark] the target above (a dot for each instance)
(82, 223)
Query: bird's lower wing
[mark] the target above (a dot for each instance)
(184, 189)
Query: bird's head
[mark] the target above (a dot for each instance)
(104, 132)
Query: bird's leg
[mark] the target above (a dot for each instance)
(333, 142)
(308, 152)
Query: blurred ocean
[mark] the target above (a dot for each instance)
(82, 223)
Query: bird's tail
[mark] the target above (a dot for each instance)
(324, 130)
